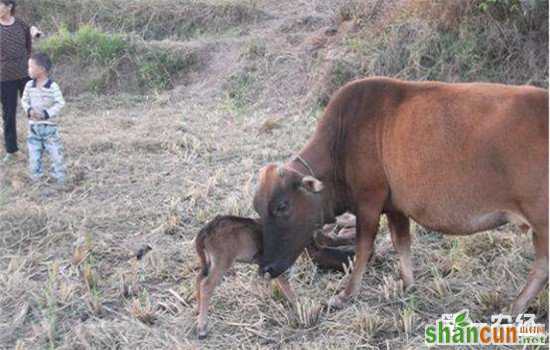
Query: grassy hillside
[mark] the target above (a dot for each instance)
(173, 106)
(153, 20)
(465, 40)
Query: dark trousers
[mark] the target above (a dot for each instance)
(9, 91)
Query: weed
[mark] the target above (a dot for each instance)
(239, 88)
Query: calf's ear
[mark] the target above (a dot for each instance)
(312, 184)
(281, 171)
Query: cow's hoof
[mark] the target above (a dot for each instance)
(337, 302)
(202, 334)
(409, 288)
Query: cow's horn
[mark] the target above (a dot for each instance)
(280, 171)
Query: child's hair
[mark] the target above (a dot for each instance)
(42, 60)
(8, 3)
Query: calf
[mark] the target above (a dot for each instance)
(220, 243)
(340, 233)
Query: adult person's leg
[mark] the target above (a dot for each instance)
(21, 83)
(9, 90)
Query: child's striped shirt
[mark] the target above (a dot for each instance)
(47, 99)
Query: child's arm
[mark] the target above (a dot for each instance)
(54, 110)
(26, 99)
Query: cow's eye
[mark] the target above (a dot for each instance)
(282, 207)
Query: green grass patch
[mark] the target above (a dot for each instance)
(155, 67)
(118, 58)
(239, 89)
(87, 45)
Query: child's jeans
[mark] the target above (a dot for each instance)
(45, 137)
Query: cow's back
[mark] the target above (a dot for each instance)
(462, 158)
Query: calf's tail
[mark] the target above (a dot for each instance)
(201, 252)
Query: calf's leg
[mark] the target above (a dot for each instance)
(198, 283)
(206, 288)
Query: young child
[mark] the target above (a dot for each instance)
(43, 100)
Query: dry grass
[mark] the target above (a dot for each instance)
(70, 278)
(149, 171)
(436, 40)
(161, 19)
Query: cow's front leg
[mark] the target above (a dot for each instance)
(368, 216)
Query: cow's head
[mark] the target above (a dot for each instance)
(290, 205)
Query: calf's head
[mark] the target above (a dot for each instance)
(290, 207)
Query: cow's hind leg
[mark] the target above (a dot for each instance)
(538, 276)
(401, 238)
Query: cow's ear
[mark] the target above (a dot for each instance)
(312, 184)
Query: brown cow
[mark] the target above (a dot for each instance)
(456, 158)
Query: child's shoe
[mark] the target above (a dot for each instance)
(60, 186)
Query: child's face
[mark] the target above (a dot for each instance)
(36, 71)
